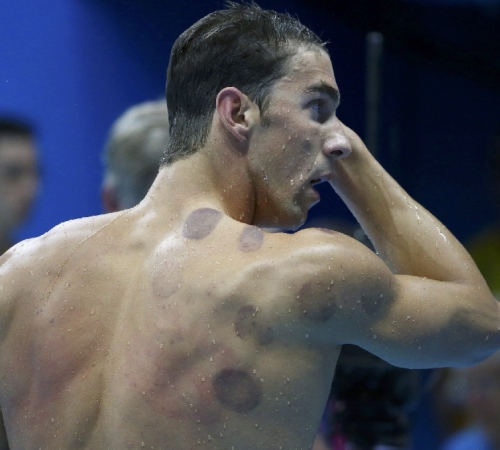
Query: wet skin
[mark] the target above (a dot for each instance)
(300, 137)
(171, 341)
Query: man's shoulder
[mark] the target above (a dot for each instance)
(57, 240)
(321, 243)
(32, 265)
(304, 256)
(48, 251)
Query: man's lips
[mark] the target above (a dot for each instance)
(316, 181)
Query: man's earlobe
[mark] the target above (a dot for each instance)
(234, 109)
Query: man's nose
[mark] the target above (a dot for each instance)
(337, 145)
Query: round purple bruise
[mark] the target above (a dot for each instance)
(201, 223)
(237, 390)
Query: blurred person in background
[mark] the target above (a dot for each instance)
(19, 176)
(482, 407)
(132, 154)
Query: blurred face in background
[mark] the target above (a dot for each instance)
(19, 180)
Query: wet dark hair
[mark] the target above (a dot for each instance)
(242, 46)
(13, 126)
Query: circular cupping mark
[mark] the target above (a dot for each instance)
(236, 390)
(201, 223)
(251, 239)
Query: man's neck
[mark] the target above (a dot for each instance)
(222, 184)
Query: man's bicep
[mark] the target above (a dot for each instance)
(335, 285)
(426, 324)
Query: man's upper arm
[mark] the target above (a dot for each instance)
(433, 324)
(345, 294)
(415, 322)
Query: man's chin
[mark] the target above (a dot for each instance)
(289, 223)
(287, 218)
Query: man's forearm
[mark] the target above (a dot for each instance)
(406, 236)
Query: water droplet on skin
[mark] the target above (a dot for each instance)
(292, 182)
(264, 177)
(301, 177)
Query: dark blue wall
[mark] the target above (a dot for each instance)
(72, 66)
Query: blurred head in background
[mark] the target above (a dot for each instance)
(19, 176)
(132, 154)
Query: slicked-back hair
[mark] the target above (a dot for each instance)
(242, 46)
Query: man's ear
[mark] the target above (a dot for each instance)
(109, 199)
(237, 112)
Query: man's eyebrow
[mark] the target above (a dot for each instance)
(324, 88)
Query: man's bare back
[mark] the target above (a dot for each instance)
(180, 323)
(192, 325)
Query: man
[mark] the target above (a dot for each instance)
(19, 176)
(180, 323)
(132, 154)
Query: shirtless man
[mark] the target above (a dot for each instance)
(179, 324)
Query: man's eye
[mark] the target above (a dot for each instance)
(319, 110)
(316, 105)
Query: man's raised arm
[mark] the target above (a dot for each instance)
(442, 307)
